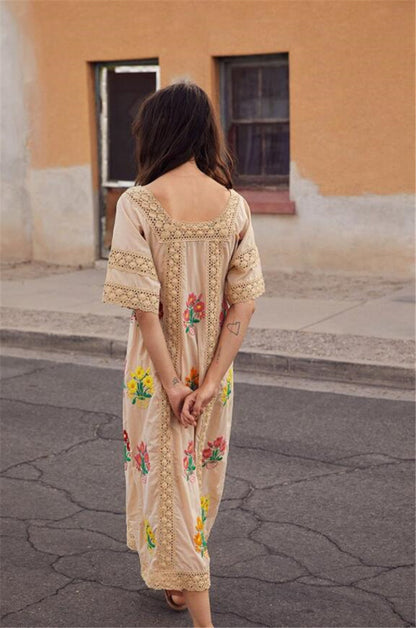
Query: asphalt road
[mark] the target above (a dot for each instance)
(315, 528)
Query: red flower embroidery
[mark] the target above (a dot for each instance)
(194, 312)
(188, 462)
(142, 460)
(126, 449)
(191, 299)
(214, 453)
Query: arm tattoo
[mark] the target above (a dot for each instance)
(234, 328)
(175, 380)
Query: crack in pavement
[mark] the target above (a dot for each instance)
(314, 478)
(84, 413)
(45, 597)
(97, 532)
(323, 535)
(377, 453)
(43, 404)
(67, 494)
(333, 461)
(37, 369)
(387, 600)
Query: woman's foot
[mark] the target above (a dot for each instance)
(175, 599)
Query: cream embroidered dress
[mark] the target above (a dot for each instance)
(188, 273)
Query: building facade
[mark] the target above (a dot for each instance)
(316, 100)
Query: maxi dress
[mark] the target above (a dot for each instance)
(188, 273)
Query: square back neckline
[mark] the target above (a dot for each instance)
(190, 222)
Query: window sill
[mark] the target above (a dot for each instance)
(268, 201)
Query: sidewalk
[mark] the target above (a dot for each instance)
(324, 326)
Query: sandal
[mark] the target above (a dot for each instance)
(172, 604)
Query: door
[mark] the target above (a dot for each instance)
(120, 89)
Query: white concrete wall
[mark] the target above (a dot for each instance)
(65, 226)
(372, 234)
(15, 211)
(45, 214)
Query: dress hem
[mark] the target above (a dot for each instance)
(178, 580)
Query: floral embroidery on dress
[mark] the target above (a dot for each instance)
(140, 386)
(192, 380)
(150, 537)
(126, 449)
(214, 453)
(189, 462)
(142, 460)
(200, 543)
(194, 312)
(224, 310)
(133, 319)
(226, 391)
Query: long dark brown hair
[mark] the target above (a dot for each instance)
(175, 124)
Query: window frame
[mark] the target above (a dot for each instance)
(106, 182)
(226, 64)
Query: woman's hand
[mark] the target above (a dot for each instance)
(195, 403)
(176, 395)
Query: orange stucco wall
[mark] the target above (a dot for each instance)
(350, 66)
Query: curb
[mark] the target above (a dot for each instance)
(325, 369)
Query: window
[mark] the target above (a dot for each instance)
(255, 117)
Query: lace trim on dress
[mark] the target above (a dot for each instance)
(247, 259)
(168, 229)
(131, 537)
(213, 301)
(166, 531)
(131, 298)
(245, 290)
(172, 283)
(172, 328)
(213, 331)
(131, 261)
(198, 581)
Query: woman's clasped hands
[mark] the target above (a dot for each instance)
(188, 404)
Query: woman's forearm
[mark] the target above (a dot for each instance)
(232, 334)
(155, 343)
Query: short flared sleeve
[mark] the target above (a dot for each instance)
(244, 280)
(131, 278)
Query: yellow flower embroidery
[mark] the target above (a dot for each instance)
(139, 372)
(205, 503)
(140, 386)
(200, 543)
(150, 537)
(226, 391)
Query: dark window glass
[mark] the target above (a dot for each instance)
(274, 93)
(249, 150)
(126, 90)
(277, 149)
(245, 92)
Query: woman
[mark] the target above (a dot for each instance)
(184, 260)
